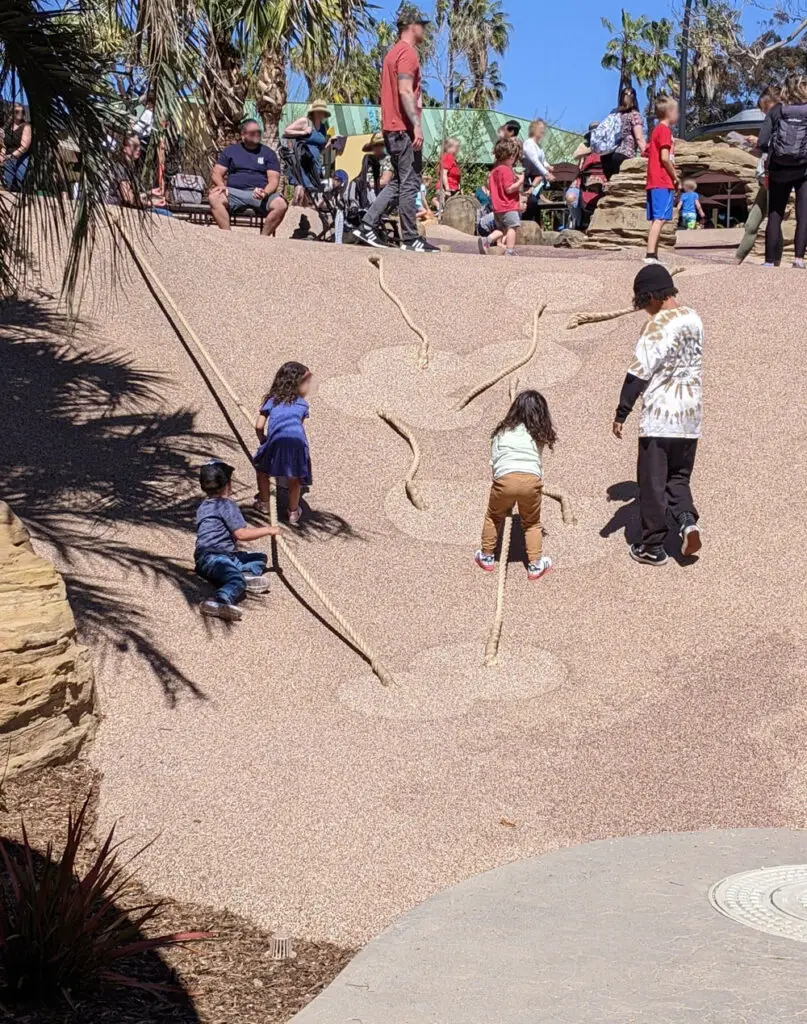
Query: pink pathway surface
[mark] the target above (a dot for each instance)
(284, 781)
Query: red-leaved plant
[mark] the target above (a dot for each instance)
(61, 933)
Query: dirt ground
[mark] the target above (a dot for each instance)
(285, 783)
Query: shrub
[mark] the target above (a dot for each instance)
(61, 933)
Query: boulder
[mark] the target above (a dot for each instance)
(619, 219)
(570, 239)
(47, 691)
(460, 213)
(529, 233)
(550, 237)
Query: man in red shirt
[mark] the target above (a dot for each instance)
(403, 134)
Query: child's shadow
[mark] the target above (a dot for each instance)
(627, 518)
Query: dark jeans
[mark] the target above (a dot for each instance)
(611, 162)
(404, 187)
(665, 466)
(226, 572)
(778, 196)
(14, 170)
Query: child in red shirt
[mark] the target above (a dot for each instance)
(662, 177)
(504, 186)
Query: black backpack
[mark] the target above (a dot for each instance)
(789, 142)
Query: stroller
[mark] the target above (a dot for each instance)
(325, 192)
(362, 193)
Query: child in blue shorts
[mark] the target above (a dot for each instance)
(662, 177)
(219, 527)
(691, 209)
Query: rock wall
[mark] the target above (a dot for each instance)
(619, 219)
(47, 692)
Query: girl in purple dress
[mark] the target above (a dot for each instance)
(283, 447)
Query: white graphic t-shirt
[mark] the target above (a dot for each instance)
(668, 357)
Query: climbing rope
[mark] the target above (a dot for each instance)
(595, 318)
(189, 337)
(510, 369)
(424, 352)
(566, 508)
(495, 634)
(412, 489)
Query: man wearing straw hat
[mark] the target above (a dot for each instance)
(401, 106)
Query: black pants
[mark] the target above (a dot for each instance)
(778, 196)
(665, 466)
(404, 187)
(611, 162)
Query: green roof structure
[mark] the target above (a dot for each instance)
(476, 129)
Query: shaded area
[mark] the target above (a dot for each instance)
(88, 448)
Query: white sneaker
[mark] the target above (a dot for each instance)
(649, 261)
(221, 610)
(535, 570)
(295, 515)
(256, 584)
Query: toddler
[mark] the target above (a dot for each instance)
(283, 450)
(504, 186)
(516, 457)
(691, 209)
(666, 372)
(219, 527)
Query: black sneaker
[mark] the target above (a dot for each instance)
(419, 245)
(368, 236)
(648, 556)
(691, 541)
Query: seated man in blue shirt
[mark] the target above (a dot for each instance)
(246, 176)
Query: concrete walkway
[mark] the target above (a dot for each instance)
(614, 931)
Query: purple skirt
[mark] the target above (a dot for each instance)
(285, 456)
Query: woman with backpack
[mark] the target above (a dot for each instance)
(783, 137)
(631, 134)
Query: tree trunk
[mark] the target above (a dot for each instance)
(224, 90)
(271, 93)
(683, 99)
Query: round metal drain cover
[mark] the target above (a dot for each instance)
(772, 900)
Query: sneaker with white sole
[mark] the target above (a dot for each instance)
(649, 261)
(295, 515)
(221, 610)
(419, 245)
(256, 584)
(368, 236)
(535, 570)
(691, 541)
(799, 264)
(485, 562)
(648, 555)
(261, 506)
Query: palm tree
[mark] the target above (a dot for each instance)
(481, 93)
(277, 27)
(225, 80)
(623, 52)
(481, 30)
(657, 66)
(57, 64)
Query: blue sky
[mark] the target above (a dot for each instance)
(552, 68)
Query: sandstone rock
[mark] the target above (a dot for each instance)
(529, 233)
(47, 692)
(570, 239)
(550, 237)
(620, 215)
(460, 213)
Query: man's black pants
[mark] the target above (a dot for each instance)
(665, 466)
(404, 187)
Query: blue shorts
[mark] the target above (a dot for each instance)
(660, 203)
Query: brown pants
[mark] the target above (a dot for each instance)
(524, 490)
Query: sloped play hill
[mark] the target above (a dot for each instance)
(285, 782)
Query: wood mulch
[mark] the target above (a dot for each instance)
(230, 979)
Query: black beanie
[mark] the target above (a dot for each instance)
(653, 278)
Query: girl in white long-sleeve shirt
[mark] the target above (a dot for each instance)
(516, 457)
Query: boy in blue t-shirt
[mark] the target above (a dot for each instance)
(691, 209)
(219, 526)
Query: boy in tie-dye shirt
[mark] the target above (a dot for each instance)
(666, 372)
